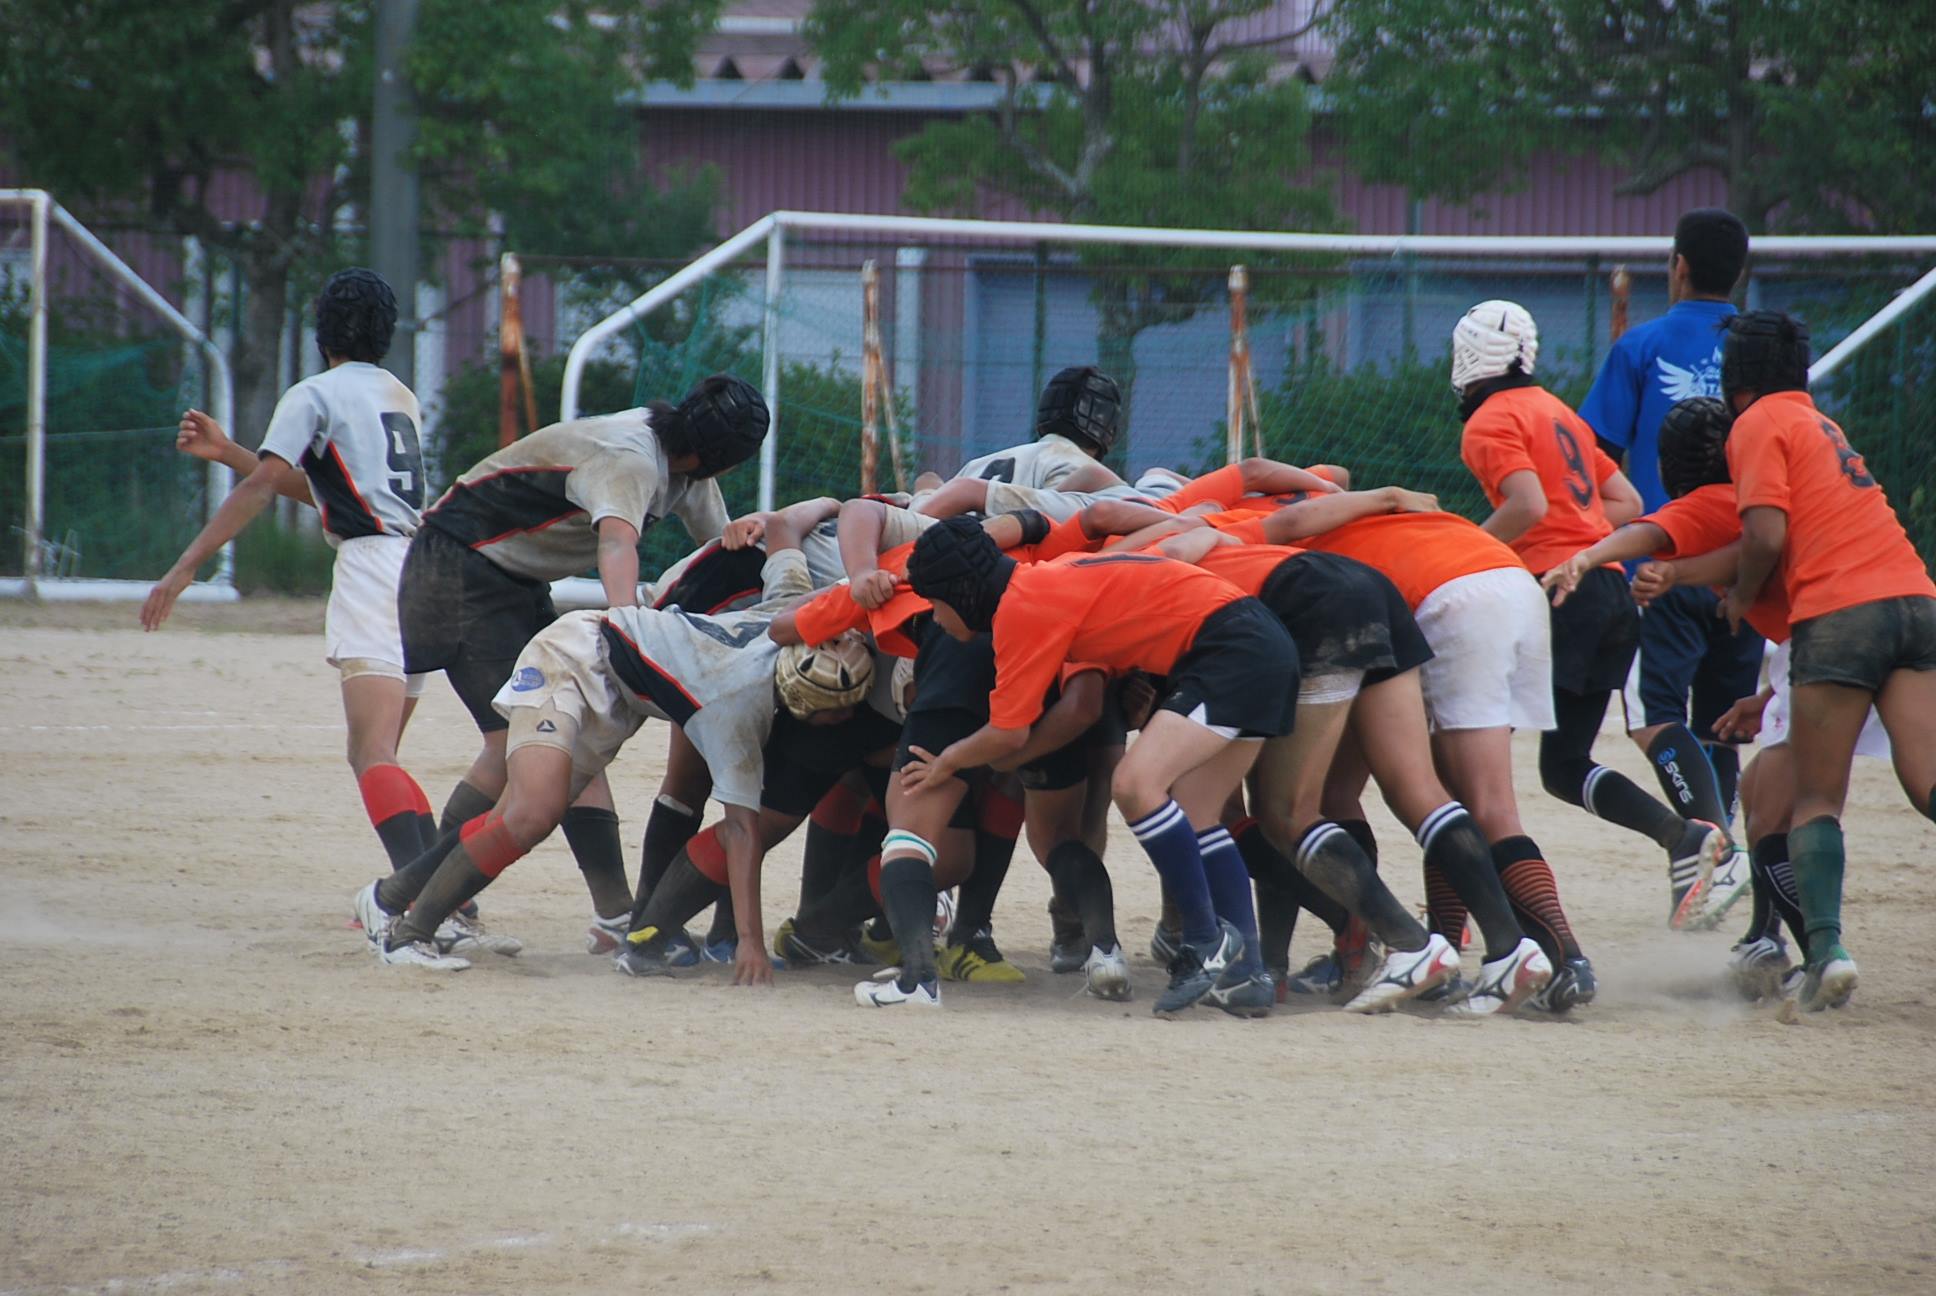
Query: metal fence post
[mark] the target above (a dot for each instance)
(770, 364)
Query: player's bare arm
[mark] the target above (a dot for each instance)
(1621, 500)
(1522, 503)
(962, 495)
(1191, 546)
(985, 746)
(240, 508)
(1312, 517)
(618, 561)
(1269, 477)
(1717, 567)
(201, 436)
(862, 522)
(1634, 540)
(1074, 712)
(803, 517)
(1764, 530)
(1088, 479)
(739, 837)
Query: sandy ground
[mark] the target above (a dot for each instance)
(206, 1083)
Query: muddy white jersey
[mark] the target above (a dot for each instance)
(533, 508)
(711, 675)
(714, 579)
(1043, 464)
(353, 431)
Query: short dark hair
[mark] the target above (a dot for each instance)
(1714, 243)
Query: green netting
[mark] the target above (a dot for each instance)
(1350, 356)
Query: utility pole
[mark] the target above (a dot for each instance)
(393, 179)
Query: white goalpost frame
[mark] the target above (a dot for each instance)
(772, 229)
(31, 584)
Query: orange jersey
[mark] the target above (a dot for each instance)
(833, 611)
(1704, 520)
(1528, 429)
(1417, 552)
(1121, 611)
(1845, 546)
(1224, 487)
(1249, 565)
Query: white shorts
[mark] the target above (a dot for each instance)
(1492, 652)
(1874, 740)
(360, 623)
(562, 695)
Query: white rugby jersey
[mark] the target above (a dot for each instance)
(352, 429)
(533, 508)
(711, 675)
(715, 579)
(1042, 464)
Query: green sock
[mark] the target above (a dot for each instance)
(1815, 851)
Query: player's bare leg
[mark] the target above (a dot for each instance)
(1907, 706)
(1825, 723)
(375, 707)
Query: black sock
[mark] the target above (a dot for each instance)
(1360, 832)
(842, 905)
(1762, 921)
(592, 834)
(398, 891)
(975, 898)
(1279, 885)
(1726, 760)
(682, 895)
(725, 927)
(464, 804)
(1687, 779)
(402, 837)
(1331, 860)
(1618, 799)
(667, 830)
(1264, 860)
(456, 880)
(908, 894)
(826, 855)
(1459, 851)
(1769, 860)
(1081, 879)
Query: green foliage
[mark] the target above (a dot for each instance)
(1451, 98)
(467, 412)
(274, 560)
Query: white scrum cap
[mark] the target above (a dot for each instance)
(824, 676)
(1485, 343)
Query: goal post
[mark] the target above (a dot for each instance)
(79, 247)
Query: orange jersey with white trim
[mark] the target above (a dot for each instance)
(1845, 545)
(1528, 429)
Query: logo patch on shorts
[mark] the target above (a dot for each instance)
(527, 678)
(546, 726)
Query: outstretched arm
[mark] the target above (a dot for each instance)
(1634, 540)
(739, 837)
(962, 495)
(237, 511)
(1269, 477)
(1764, 531)
(203, 437)
(1316, 516)
(862, 523)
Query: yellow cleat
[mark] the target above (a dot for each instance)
(885, 951)
(978, 960)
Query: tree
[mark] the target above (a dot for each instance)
(1148, 113)
(131, 110)
(1450, 97)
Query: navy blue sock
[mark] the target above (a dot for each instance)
(1167, 838)
(1229, 881)
(1726, 761)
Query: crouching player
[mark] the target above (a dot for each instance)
(580, 689)
(1232, 681)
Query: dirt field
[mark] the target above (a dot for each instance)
(207, 1084)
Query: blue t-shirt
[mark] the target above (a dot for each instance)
(1650, 370)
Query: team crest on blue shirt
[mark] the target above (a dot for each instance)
(1702, 378)
(528, 678)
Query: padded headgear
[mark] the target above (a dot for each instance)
(1766, 352)
(901, 680)
(356, 316)
(1084, 404)
(1493, 338)
(723, 420)
(822, 677)
(957, 563)
(1694, 445)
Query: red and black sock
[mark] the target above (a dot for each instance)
(398, 810)
(1535, 895)
(484, 849)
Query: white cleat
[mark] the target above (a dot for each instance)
(1405, 973)
(421, 954)
(376, 921)
(1506, 983)
(1727, 883)
(1689, 867)
(460, 935)
(1758, 966)
(607, 934)
(944, 914)
(885, 991)
(1107, 973)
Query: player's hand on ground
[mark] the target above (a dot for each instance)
(1742, 721)
(1652, 580)
(743, 533)
(873, 589)
(925, 769)
(161, 599)
(1563, 579)
(201, 436)
(751, 966)
(1410, 501)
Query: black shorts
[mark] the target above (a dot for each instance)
(717, 580)
(1240, 673)
(1595, 635)
(953, 674)
(1069, 765)
(802, 762)
(462, 614)
(1686, 649)
(1344, 616)
(1862, 646)
(934, 730)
